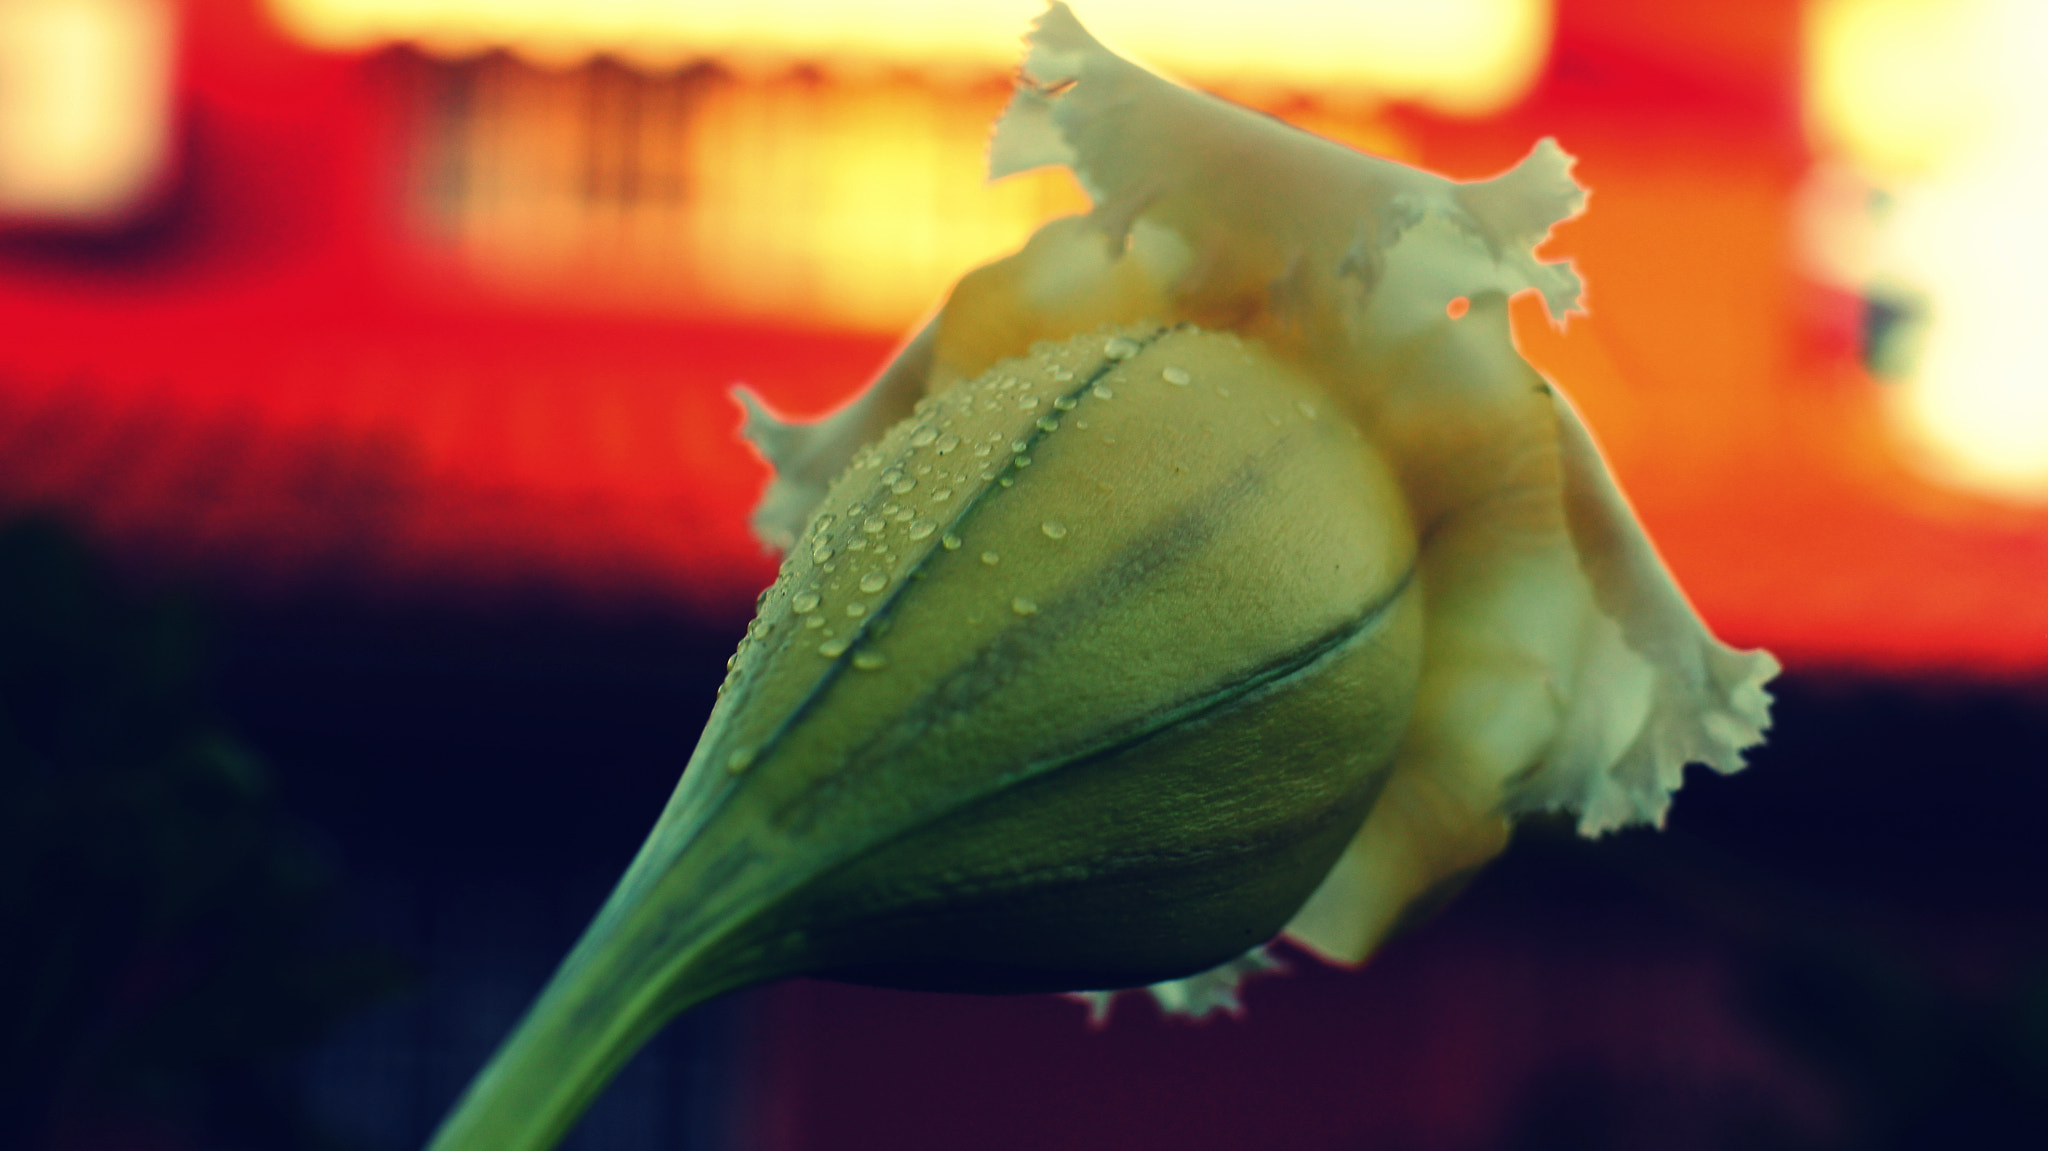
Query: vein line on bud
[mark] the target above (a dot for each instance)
(1216, 699)
(877, 620)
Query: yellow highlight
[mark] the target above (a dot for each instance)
(1463, 56)
(84, 105)
(1942, 103)
(1898, 83)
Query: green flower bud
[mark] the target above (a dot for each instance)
(1084, 676)
(1193, 577)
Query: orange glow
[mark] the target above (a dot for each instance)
(295, 388)
(850, 205)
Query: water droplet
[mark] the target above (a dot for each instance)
(1008, 481)
(903, 485)
(833, 648)
(919, 529)
(856, 609)
(923, 437)
(1054, 529)
(1102, 393)
(1065, 403)
(950, 541)
(740, 760)
(1307, 410)
(991, 558)
(804, 603)
(1081, 424)
(1061, 374)
(1023, 461)
(983, 449)
(870, 660)
(1026, 402)
(942, 495)
(822, 552)
(1120, 348)
(946, 443)
(1178, 377)
(816, 621)
(856, 545)
(1024, 606)
(822, 524)
(891, 476)
(874, 582)
(1020, 445)
(873, 525)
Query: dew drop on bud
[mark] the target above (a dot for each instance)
(1178, 377)
(873, 582)
(1120, 348)
(740, 760)
(870, 660)
(991, 558)
(1024, 606)
(804, 602)
(1054, 529)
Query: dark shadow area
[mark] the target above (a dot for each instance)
(288, 886)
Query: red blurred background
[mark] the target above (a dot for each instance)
(394, 340)
(329, 347)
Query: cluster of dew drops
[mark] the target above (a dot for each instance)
(939, 472)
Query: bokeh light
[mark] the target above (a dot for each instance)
(85, 88)
(1940, 106)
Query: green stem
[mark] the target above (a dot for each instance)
(659, 946)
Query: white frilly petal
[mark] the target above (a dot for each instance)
(1198, 996)
(1254, 196)
(1698, 700)
(1564, 670)
(807, 457)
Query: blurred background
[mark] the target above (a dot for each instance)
(372, 533)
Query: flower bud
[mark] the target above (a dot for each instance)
(1192, 577)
